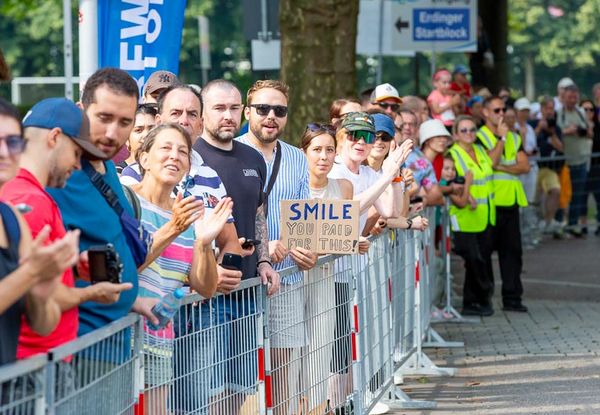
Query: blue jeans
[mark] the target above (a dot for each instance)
(578, 175)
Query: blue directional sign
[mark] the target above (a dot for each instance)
(441, 25)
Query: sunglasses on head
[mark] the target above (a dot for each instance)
(385, 137)
(499, 110)
(14, 143)
(326, 128)
(264, 109)
(385, 106)
(367, 136)
(467, 130)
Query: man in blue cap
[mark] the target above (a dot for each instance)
(460, 83)
(57, 135)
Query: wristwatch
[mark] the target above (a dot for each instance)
(409, 221)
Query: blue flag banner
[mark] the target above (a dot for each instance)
(140, 36)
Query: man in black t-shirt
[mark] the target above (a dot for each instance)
(243, 172)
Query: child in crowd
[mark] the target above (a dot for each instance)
(442, 100)
(460, 191)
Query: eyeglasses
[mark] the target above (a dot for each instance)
(385, 106)
(467, 130)
(385, 137)
(326, 128)
(14, 143)
(264, 109)
(588, 109)
(499, 110)
(367, 136)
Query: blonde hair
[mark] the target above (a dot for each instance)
(267, 83)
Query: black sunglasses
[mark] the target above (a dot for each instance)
(264, 109)
(385, 106)
(326, 128)
(499, 110)
(467, 130)
(385, 137)
(14, 143)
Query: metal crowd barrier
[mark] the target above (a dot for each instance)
(335, 339)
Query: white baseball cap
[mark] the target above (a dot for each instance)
(385, 91)
(522, 104)
(565, 82)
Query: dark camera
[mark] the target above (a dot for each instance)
(232, 261)
(551, 122)
(105, 264)
(582, 132)
(457, 180)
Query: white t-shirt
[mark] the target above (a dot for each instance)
(365, 178)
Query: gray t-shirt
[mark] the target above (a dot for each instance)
(577, 149)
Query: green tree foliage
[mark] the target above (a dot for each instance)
(572, 38)
(561, 45)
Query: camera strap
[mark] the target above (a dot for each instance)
(273, 177)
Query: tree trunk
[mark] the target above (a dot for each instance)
(494, 15)
(318, 54)
(4, 70)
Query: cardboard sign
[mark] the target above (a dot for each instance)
(321, 226)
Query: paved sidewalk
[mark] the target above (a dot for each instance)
(542, 362)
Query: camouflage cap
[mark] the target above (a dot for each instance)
(358, 121)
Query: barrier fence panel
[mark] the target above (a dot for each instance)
(23, 387)
(97, 373)
(207, 361)
(308, 333)
(339, 336)
(432, 282)
(373, 326)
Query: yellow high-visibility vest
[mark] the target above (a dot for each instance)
(508, 189)
(482, 190)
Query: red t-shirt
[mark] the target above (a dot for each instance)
(438, 165)
(25, 188)
(464, 89)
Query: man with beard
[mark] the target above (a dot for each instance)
(244, 173)
(287, 179)
(109, 100)
(57, 138)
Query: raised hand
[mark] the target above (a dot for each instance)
(49, 261)
(392, 163)
(186, 211)
(209, 227)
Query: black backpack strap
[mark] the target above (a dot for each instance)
(103, 187)
(133, 201)
(273, 177)
(11, 226)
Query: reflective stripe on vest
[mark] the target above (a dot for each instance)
(507, 187)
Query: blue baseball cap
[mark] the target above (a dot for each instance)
(384, 123)
(64, 114)
(461, 69)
